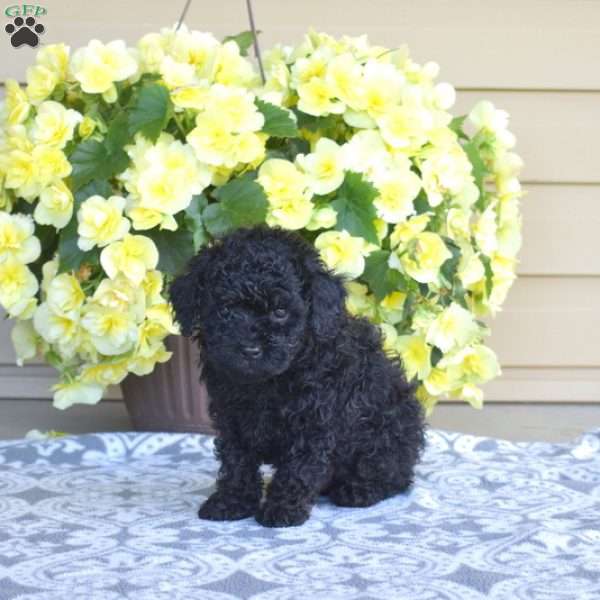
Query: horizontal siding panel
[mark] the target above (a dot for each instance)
(556, 132)
(560, 230)
(538, 44)
(549, 322)
(555, 385)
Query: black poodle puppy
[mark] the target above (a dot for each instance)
(295, 382)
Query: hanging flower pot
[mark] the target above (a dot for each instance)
(118, 164)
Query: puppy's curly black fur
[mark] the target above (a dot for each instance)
(295, 382)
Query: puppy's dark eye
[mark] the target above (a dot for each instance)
(280, 314)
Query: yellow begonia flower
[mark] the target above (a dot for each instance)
(191, 96)
(324, 167)
(132, 257)
(212, 140)
(97, 66)
(365, 152)
(105, 373)
(316, 98)
(76, 392)
(101, 222)
(237, 107)
(162, 180)
(454, 327)
(470, 269)
(358, 301)
(404, 232)
(55, 206)
(64, 295)
(152, 286)
(29, 170)
(232, 69)
(16, 107)
(390, 338)
(416, 356)
(405, 127)
(17, 239)
(49, 271)
(314, 66)
(397, 190)
(475, 364)
(41, 82)
(446, 170)
(143, 219)
(286, 189)
(120, 295)
(111, 331)
(51, 164)
(439, 382)
(392, 307)
(342, 252)
(24, 340)
(87, 126)
(486, 117)
(344, 77)
(176, 74)
(54, 124)
(63, 331)
(382, 86)
(143, 365)
(426, 254)
(458, 224)
(55, 57)
(151, 50)
(322, 218)
(485, 231)
(472, 394)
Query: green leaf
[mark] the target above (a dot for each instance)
(151, 111)
(380, 277)
(436, 356)
(87, 159)
(354, 206)
(215, 220)
(457, 126)
(244, 201)
(175, 248)
(489, 274)
(244, 40)
(312, 123)
(118, 134)
(421, 203)
(194, 221)
(479, 168)
(279, 122)
(96, 160)
(448, 269)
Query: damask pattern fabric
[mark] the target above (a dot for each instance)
(111, 516)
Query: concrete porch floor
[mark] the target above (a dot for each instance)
(518, 422)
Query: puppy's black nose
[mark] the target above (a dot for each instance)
(252, 351)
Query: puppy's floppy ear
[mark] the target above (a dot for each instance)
(326, 294)
(187, 292)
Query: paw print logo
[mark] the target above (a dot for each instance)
(24, 31)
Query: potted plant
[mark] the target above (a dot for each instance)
(117, 164)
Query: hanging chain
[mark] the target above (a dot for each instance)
(255, 40)
(183, 13)
(252, 27)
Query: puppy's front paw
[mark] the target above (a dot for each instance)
(273, 515)
(225, 508)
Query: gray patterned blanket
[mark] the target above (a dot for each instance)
(112, 516)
